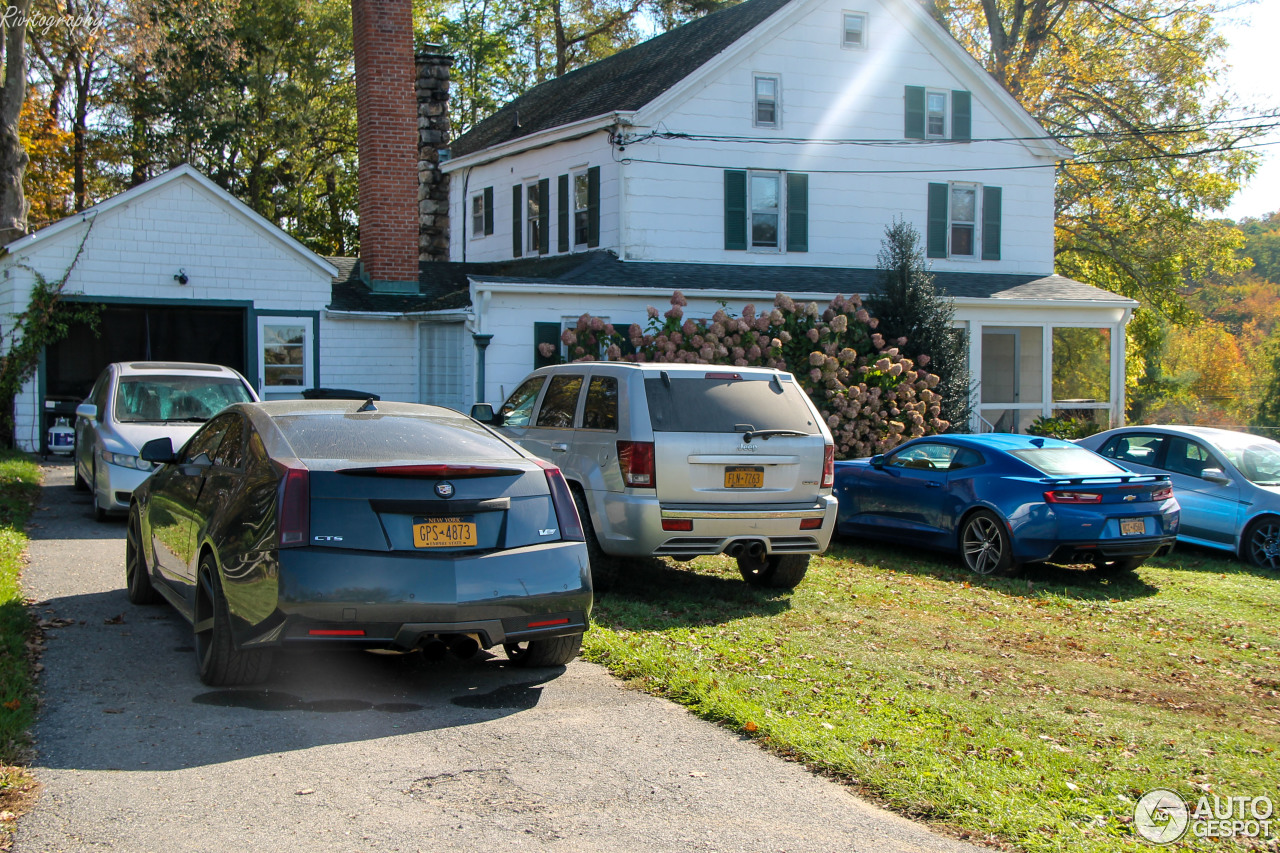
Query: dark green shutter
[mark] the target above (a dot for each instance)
(938, 215)
(593, 207)
(961, 115)
(562, 213)
(735, 210)
(544, 216)
(991, 202)
(913, 121)
(488, 210)
(546, 333)
(517, 219)
(797, 212)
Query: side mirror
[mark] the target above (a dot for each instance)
(87, 410)
(484, 413)
(1215, 475)
(159, 450)
(877, 461)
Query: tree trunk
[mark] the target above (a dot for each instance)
(13, 157)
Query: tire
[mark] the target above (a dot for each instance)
(137, 574)
(985, 546)
(553, 651)
(604, 568)
(81, 484)
(99, 514)
(1260, 545)
(217, 660)
(1121, 566)
(779, 571)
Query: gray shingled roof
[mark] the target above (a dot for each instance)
(445, 285)
(624, 81)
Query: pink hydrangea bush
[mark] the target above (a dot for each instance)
(871, 396)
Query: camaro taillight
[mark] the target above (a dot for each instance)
(1063, 497)
(828, 466)
(1163, 493)
(635, 458)
(562, 501)
(293, 507)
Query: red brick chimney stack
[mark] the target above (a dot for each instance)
(387, 116)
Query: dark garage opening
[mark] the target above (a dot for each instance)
(143, 333)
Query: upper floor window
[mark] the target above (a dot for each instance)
(766, 211)
(855, 29)
(482, 213)
(530, 217)
(533, 218)
(581, 209)
(935, 107)
(766, 114)
(964, 221)
(937, 114)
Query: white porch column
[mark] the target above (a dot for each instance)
(1118, 371)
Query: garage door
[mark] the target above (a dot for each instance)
(143, 333)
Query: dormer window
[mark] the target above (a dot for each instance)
(767, 87)
(855, 29)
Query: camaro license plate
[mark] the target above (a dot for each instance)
(1132, 527)
(744, 477)
(452, 532)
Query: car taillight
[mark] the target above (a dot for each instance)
(635, 458)
(1163, 493)
(828, 466)
(293, 508)
(677, 524)
(562, 501)
(811, 524)
(1073, 497)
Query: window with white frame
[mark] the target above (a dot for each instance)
(533, 218)
(855, 29)
(964, 214)
(766, 101)
(935, 104)
(284, 354)
(581, 208)
(764, 198)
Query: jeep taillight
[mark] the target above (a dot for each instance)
(293, 506)
(636, 460)
(562, 502)
(828, 466)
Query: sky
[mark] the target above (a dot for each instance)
(1251, 31)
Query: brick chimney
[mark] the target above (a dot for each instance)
(387, 134)
(433, 136)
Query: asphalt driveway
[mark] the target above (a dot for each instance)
(363, 752)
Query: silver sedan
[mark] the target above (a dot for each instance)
(1228, 483)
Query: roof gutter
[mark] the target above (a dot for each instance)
(440, 314)
(541, 139)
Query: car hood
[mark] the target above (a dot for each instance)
(137, 435)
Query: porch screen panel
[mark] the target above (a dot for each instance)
(1081, 366)
(444, 350)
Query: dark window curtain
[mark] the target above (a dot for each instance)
(991, 203)
(913, 119)
(797, 212)
(936, 240)
(735, 210)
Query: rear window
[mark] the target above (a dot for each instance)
(375, 437)
(698, 404)
(1068, 461)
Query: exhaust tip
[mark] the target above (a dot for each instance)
(433, 648)
(735, 550)
(463, 646)
(755, 550)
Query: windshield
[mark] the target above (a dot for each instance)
(157, 399)
(1069, 461)
(1257, 459)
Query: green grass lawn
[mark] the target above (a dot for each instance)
(19, 486)
(1031, 711)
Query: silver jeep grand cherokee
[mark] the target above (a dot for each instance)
(680, 460)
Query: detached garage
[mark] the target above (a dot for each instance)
(180, 270)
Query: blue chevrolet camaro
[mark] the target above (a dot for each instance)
(1003, 501)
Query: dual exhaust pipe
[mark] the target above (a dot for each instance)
(752, 548)
(461, 646)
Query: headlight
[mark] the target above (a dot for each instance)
(126, 461)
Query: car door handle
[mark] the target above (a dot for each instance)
(933, 484)
(562, 448)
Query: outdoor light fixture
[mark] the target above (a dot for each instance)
(181, 277)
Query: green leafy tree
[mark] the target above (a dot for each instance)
(913, 313)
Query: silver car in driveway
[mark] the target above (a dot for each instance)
(681, 460)
(134, 402)
(1228, 483)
